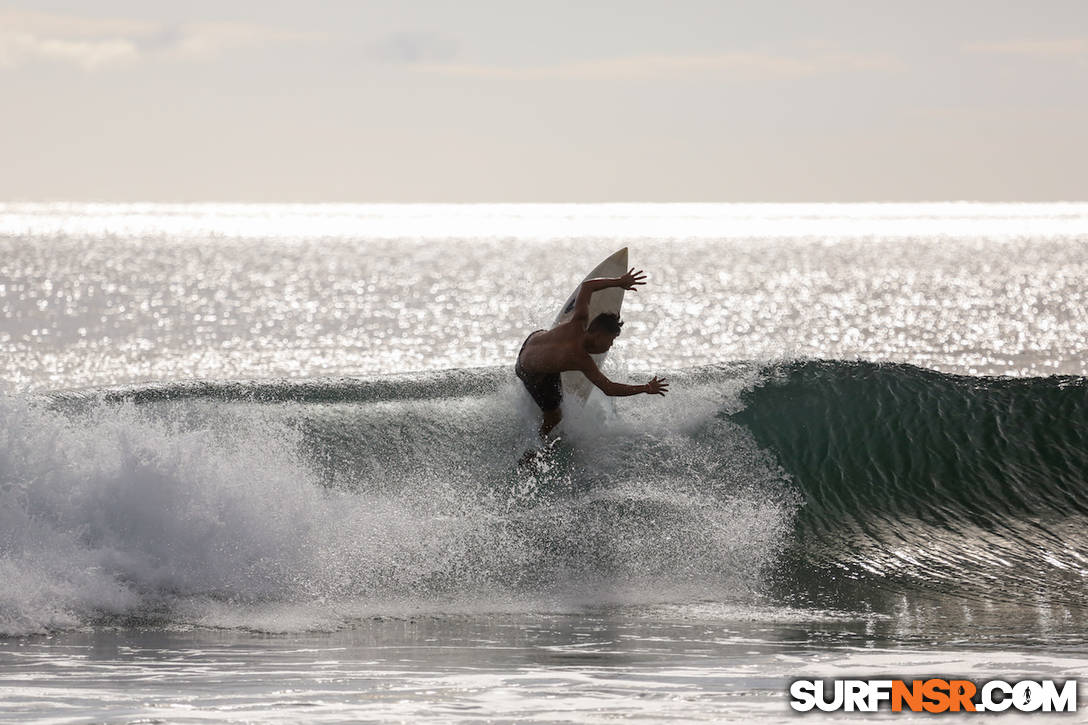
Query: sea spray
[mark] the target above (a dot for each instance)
(199, 509)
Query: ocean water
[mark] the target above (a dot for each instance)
(257, 463)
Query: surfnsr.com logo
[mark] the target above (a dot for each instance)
(934, 695)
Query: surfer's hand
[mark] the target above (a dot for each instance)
(657, 386)
(632, 279)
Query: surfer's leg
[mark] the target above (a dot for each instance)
(546, 390)
(551, 419)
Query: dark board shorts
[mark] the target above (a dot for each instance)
(546, 388)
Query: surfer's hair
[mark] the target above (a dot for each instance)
(606, 322)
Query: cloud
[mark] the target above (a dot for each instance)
(415, 47)
(17, 49)
(741, 65)
(1052, 48)
(96, 43)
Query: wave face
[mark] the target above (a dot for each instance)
(918, 479)
(283, 505)
(286, 505)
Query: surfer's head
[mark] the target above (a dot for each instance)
(602, 332)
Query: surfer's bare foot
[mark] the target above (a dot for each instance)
(535, 454)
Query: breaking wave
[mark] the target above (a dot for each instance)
(286, 505)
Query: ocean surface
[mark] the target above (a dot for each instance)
(258, 462)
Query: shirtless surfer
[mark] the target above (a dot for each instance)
(568, 346)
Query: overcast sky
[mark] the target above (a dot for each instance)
(340, 100)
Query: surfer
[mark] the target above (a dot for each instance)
(568, 346)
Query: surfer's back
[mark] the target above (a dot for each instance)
(556, 350)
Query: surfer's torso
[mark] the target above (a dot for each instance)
(556, 350)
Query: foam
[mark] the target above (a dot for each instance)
(301, 515)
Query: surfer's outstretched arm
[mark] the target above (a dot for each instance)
(656, 386)
(628, 281)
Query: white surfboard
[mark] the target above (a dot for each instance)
(607, 300)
